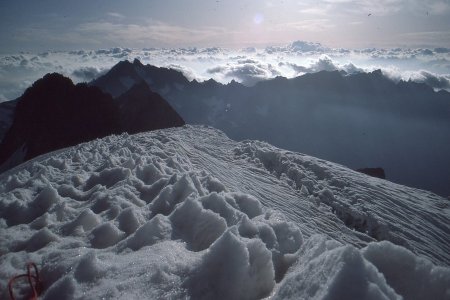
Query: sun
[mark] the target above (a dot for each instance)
(258, 18)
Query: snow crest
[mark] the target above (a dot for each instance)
(132, 217)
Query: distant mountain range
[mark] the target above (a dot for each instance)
(54, 113)
(359, 120)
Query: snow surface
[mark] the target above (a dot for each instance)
(187, 212)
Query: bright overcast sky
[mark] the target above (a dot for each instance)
(36, 25)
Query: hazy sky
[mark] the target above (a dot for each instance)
(31, 25)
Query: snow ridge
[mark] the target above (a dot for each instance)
(186, 212)
(379, 209)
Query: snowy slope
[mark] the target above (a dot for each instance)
(187, 212)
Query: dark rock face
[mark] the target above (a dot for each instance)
(125, 74)
(143, 110)
(54, 113)
(374, 172)
(119, 79)
(6, 116)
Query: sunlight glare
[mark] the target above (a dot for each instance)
(258, 18)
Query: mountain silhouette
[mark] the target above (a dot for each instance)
(125, 74)
(54, 113)
(143, 110)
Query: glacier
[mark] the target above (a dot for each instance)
(189, 213)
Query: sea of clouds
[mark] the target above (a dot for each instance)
(248, 66)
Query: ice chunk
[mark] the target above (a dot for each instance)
(39, 240)
(289, 236)
(218, 204)
(89, 268)
(57, 163)
(148, 173)
(13, 182)
(102, 201)
(315, 246)
(41, 222)
(261, 273)
(233, 270)
(247, 228)
(46, 198)
(129, 220)
(172, 195)
(281, 237)
(267, 235)
(21, 212)
(105, 235)
(86, 220)
(338, 273)
(148, 193)
(64, 288)
(108, 177)
(214, 185)
(197, 226)
(157, 229)
(248, 204)
(411, 276)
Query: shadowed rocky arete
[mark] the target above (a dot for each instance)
(54, 113)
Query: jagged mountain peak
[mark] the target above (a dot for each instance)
(49, 81)
(123, 67)
(125, 74)
(137, 62)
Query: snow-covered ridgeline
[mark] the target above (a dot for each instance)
(379, 209)
(188, 212)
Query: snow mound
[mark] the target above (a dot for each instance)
(171, 214)
(328, 271)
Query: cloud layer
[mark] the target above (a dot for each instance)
(248, 66)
